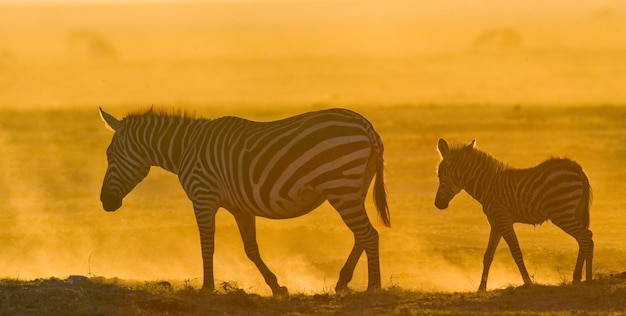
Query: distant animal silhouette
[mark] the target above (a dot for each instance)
(280, 169)
(557, 190)
(89, 45)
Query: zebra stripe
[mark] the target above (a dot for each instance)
(557, 190)
(280, 169)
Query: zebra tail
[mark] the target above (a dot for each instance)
(380, 192)
(583, 210)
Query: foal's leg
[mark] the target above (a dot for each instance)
(511, 239)
(247, 228)
(494, 239)
(585, 246)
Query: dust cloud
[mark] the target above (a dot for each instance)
(265, 60)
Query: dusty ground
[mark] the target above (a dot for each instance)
(99, 296)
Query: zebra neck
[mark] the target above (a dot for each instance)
(166, 142)
(478, 188)
(480, 177)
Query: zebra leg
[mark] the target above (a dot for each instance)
(365, 237)
(247, 228)
(585, 246)
(206, 226)
(589, 261)
(345, 276)
(494, 239)
(585, 256)
(511, 239)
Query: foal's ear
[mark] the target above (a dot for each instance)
(443, 148)
(473, 143)
(110, 121)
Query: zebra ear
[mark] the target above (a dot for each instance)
(443, 147)
(473, 143)
(110, 121)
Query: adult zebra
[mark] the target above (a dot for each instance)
(280, 169)
(557, 190)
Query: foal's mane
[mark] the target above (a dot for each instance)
(478, 156)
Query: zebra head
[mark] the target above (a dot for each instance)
(448, 180)
(126, 166)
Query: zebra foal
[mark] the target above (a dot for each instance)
(557, 190)
(280, 169)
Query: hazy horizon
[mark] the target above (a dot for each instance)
(313, 52)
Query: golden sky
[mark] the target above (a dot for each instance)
(312, 52)
(452, 3)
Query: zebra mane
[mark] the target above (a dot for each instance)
(478, 156)
(161, 112)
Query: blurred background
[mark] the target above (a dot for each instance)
(529, 80)
(63, 53)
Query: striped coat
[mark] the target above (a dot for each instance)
(557, 190)
(279, 169)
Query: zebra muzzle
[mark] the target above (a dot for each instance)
(110, 202)
(441, 203)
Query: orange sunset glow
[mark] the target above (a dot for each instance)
(529, 80)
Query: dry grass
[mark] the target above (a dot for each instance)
(100, 296)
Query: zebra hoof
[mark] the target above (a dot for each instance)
(341, 288)
(281, 292)
(373, 288)
(207, 290)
